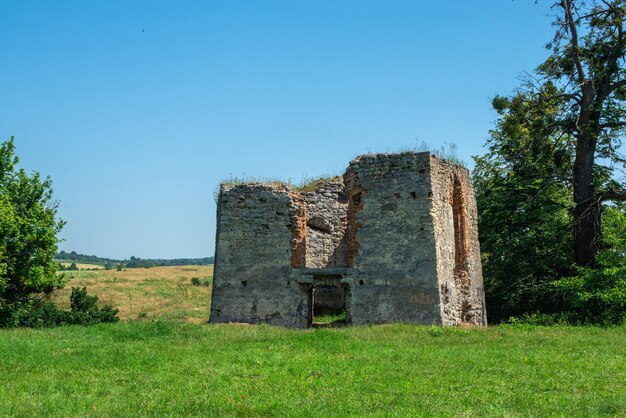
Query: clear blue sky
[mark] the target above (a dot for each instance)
(138, 109)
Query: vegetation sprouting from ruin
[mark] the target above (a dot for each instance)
(311, 185)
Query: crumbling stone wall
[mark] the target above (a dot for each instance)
(392, 239)
(459, 270)
(255, 249)
(395, 241)
(326, 222)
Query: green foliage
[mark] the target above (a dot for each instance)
(549, 173)
(136, 262)
(588, 52)
(28, 232)
(542, 319)
(85, 311)
(598, 294)
(197, 281)
(523, 192)
(524, 201)
(83, 258)
(42, 313)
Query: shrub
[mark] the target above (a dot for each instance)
(86, 312)
(41, 313)
(196, 281)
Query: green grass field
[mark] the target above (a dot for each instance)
(173, 368)
(165, 360)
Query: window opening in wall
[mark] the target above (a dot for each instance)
(329, 302)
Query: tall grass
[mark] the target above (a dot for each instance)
(146, 293)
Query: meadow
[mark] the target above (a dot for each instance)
(82, 266)
(166, 368)
(163, 293)
(163, 361)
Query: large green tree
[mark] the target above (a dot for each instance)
(551, 171)
(28, 232)
(523, 191)
(587, 64)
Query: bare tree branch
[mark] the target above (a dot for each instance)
(617, 124)
(614, 87)
(569, 20)
(614, 194)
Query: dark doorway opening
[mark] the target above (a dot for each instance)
(329, 302)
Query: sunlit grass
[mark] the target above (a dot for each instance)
(174, 367)
(146, 293)
(82, 266)
(339, 318)
(159, 368)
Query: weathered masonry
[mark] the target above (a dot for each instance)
(395, 240)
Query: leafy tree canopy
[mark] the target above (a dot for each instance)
(588, 53)
(28, 231)
(551, 177)
(524, 200)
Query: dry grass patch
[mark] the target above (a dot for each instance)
(83, 266)
(156, 292)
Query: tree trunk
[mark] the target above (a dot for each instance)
(587, 210)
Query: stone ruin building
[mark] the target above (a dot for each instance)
(394, 240)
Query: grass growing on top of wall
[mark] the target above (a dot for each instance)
(446, 151)
(168, 368)
(305, 185)
(312, 185)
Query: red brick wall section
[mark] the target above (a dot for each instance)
(355, 204)
(461, 247)
(298, 232)
(460, 223)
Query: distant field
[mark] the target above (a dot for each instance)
(146, 368)
(82, 266)
(147, 293)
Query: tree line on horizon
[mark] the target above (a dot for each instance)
(132, 262)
